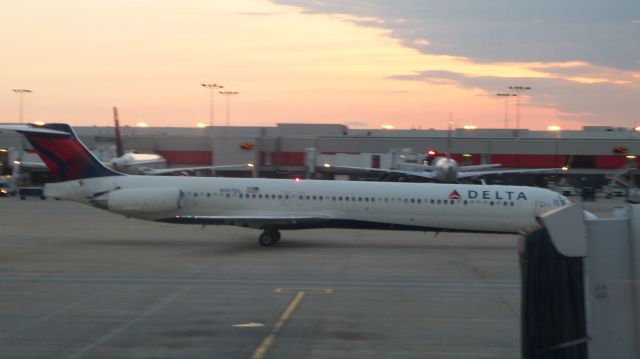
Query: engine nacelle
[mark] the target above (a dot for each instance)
(144, 200)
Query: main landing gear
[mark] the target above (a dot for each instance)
(269, 237)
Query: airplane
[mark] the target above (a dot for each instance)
(444, 169)
(152, 163)
(132, 162)
(272, 205)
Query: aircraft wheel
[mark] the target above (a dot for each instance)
(269, 238)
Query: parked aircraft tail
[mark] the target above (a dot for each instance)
(118, 135)
(63, 153)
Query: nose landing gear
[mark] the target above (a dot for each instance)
(269, 237)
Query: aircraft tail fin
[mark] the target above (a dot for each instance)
(62, 152)
(116, 125)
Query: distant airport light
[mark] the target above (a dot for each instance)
(228, 94)
(553, 128)
(565, 168)
(142, 124)
(17, 163)
(39, 123)
(388, 127)
(431, 153)
(250, 164)
(201, 124)
(20, 93)
(631, 157)
(212, 88)
(467, 155)
(327, 165)
(4, 150)
(637, 129)
(518, 89)
(470, 127)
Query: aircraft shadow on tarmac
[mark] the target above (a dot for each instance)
(247, 244)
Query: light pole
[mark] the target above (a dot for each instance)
(228, 94)
(518, 89)
(506, 107)
(20, 93)
(212, 88)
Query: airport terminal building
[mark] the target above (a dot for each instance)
(302, 150)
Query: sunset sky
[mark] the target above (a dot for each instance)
(361, 63)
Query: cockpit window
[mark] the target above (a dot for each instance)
(561, 201)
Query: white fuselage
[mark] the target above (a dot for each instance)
(419, 206)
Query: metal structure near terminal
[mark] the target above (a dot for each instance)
(581, 286)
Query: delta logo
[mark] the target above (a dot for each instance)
(495, 195)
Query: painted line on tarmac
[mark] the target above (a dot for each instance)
(128, 324)
(262, 349)
(43, 319)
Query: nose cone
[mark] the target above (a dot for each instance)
(450, 168)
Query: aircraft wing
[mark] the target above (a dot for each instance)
(421, 173)
(180, 170)
(479, 167)
(467, 174)
(31, 166)
(251, 221)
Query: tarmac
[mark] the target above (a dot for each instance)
(79, 282)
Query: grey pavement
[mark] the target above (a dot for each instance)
(78, 282)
